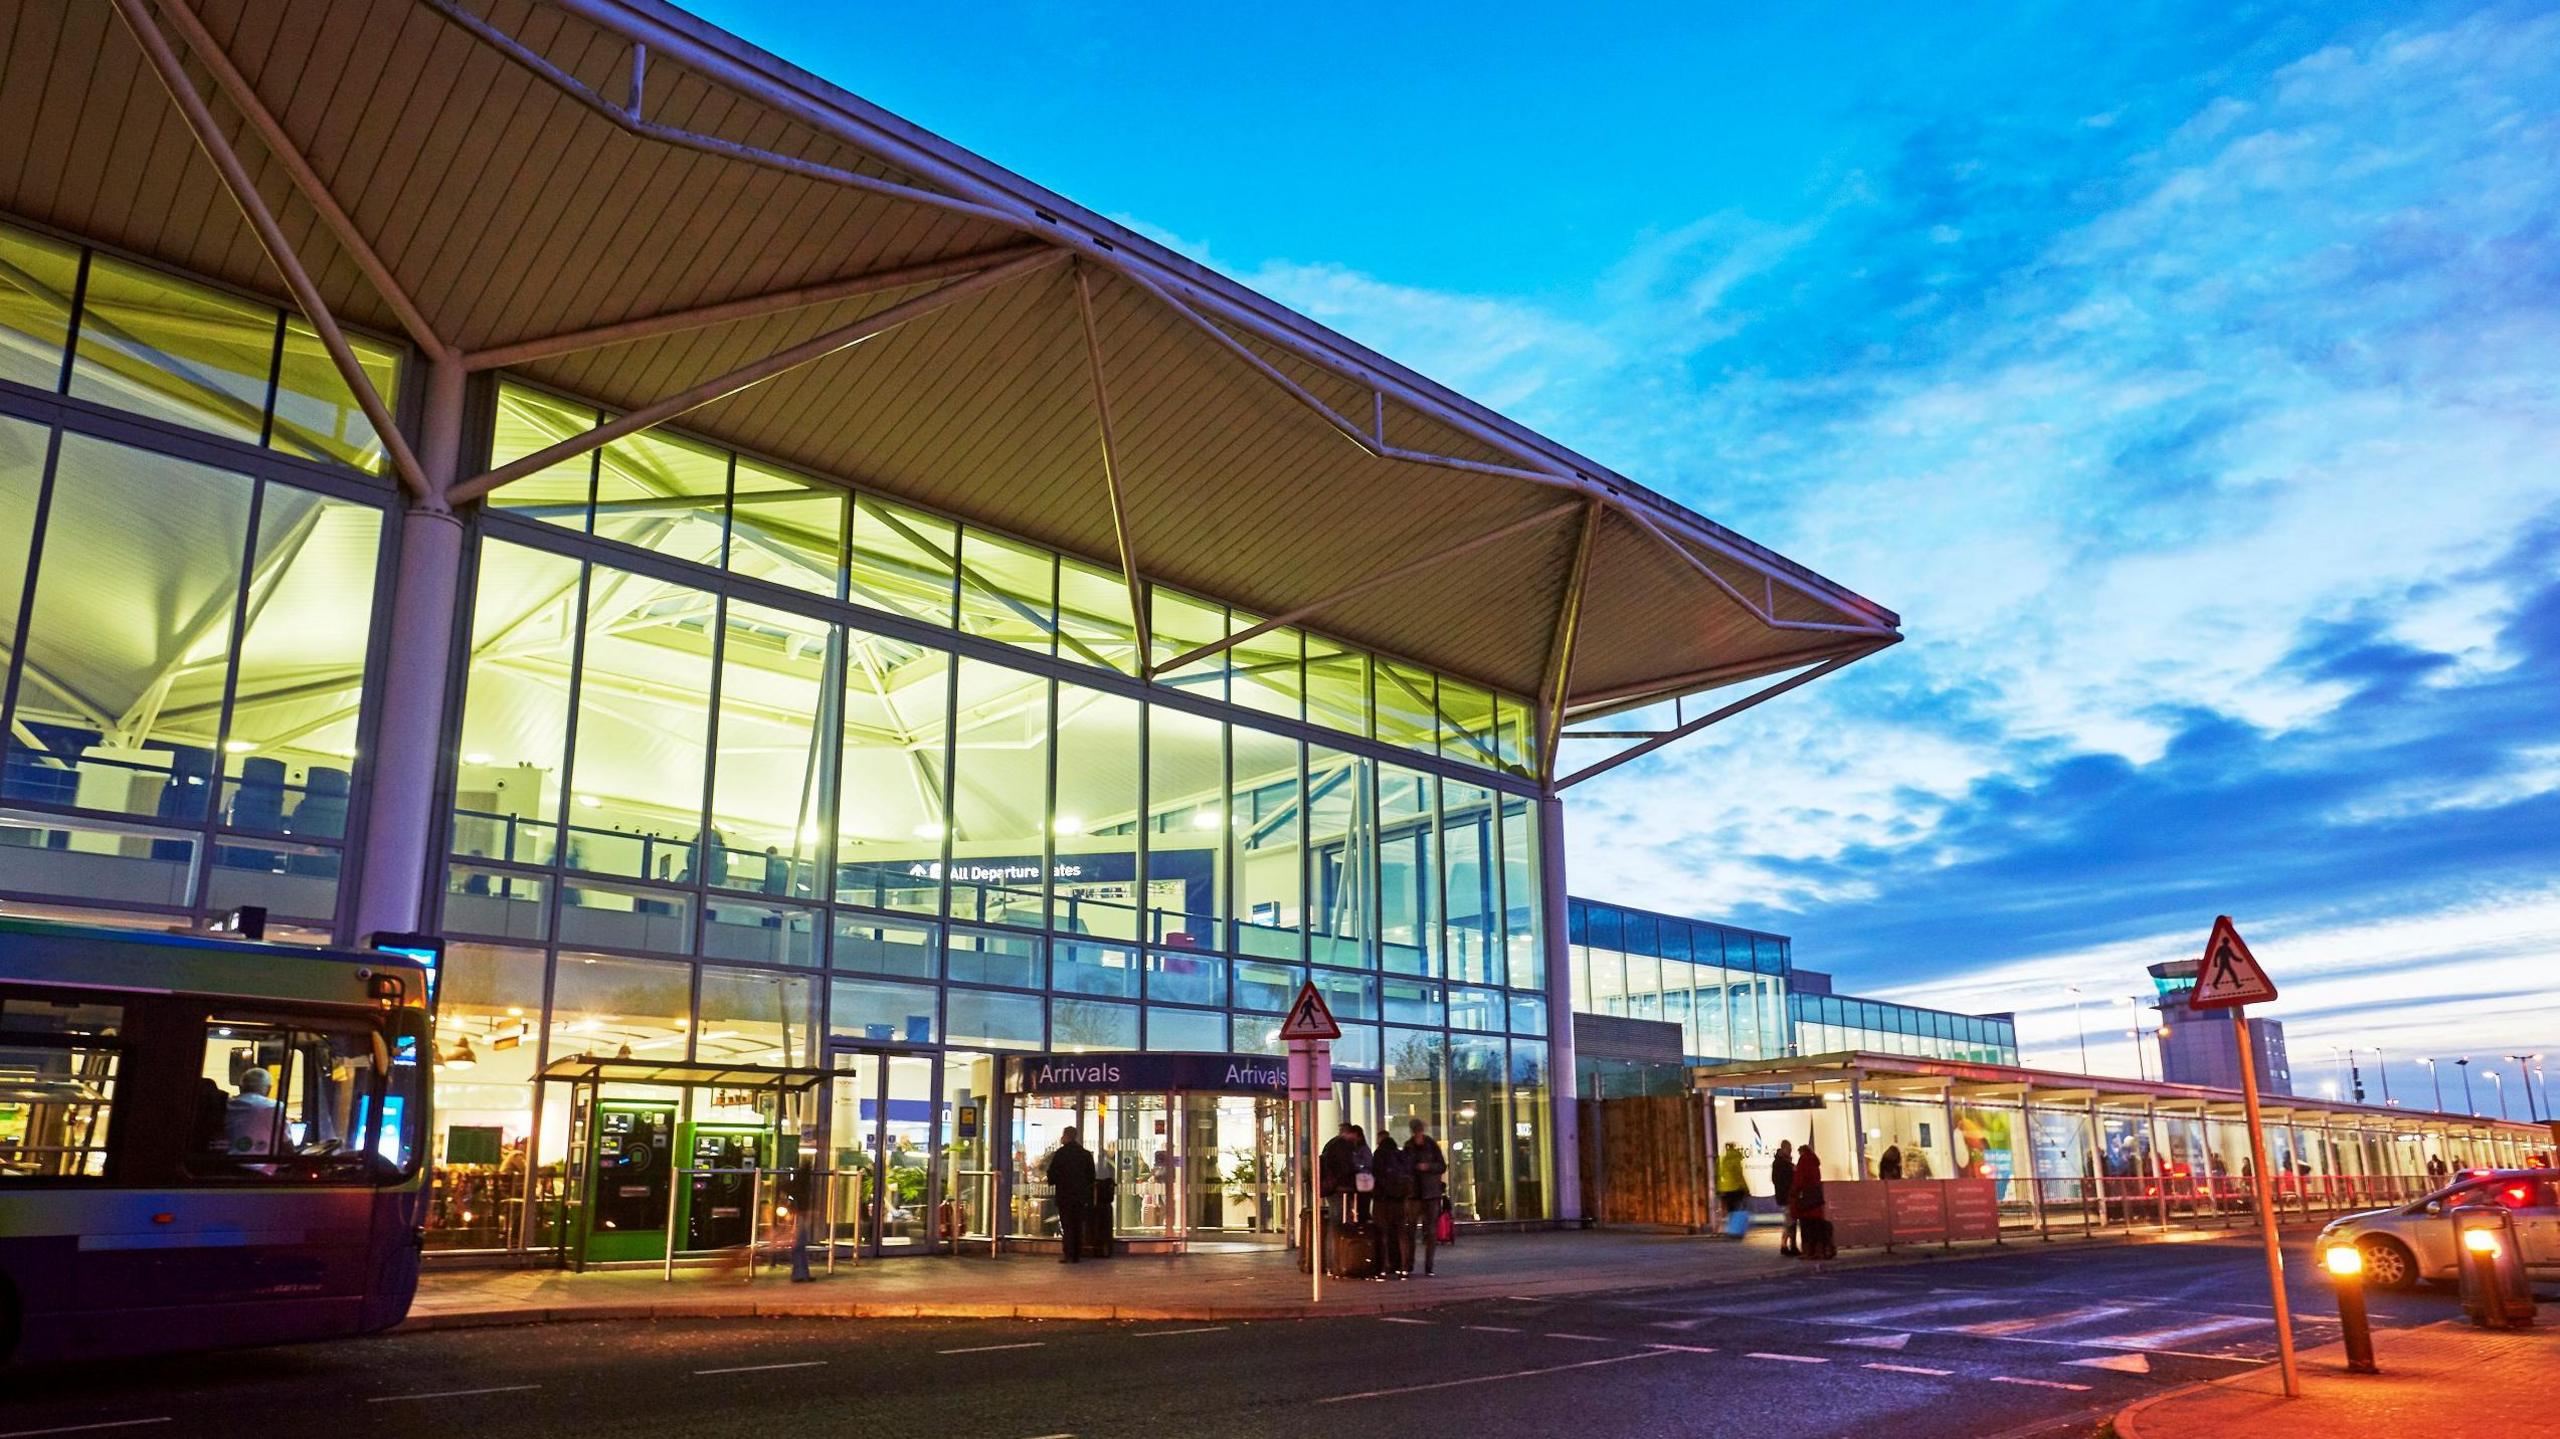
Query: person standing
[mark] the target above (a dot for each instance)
(1392, 1202)
(1890, 1167)
(1070, 1178)
(1804, 1206)
(1430, 1190)
(1733, 1190)
(1782, 1178)
(1345, 1159)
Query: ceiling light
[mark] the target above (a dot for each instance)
(238, 746)
(589, 801)
(475, 759)
(1068, 824)
(1205, 819)
(930, 829)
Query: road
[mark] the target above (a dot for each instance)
(2030, 1340)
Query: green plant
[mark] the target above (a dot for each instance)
(1245, 1173)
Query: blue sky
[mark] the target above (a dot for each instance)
(2188, 377)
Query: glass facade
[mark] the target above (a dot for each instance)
(192, 539)
(888, 783)
(1731, 991)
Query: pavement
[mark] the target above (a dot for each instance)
(2486, 1381)
(2029, 1339)
(1254, 1285)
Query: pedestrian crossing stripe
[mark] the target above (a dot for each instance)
(2121, 1363)
(1877, 1341)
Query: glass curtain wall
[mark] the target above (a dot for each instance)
(799, 805)
(187, 640)
(1724, 987)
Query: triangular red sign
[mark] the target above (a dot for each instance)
(2229, 975)
(1309, 1017)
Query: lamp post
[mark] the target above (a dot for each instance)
(2499, 1081)
(2382, 1067)
(2079, 1026)
(2141, 1061)
(2437, 1080)
(2464, 1064)
(2524, 1076)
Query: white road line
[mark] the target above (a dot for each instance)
(1490, 1328)
(1789, 1358)
(1161, 1333)
(451, 1393)
(1895, 1311)
(764, 1368)
(1494, 1378)
(1400, 1319)
(1585, 1338)
(2038, 1383)
(2151, 1338)
(1910, 1369)
(992, 1348)
(1995, 1328)
(1683, 1348)
(84, 1428)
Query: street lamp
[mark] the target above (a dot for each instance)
(2141, 1061)
(2464, 1064)
(2437, 1080)
(2077, 1025)
(2500, 1081)
(2525, 1076)
(2382, 1067)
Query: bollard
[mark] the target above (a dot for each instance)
(2345, 1264)
(2495, 1291)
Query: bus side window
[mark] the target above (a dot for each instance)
(58, 1061)
(283, 1102)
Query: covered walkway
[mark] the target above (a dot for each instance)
(1956, 1150)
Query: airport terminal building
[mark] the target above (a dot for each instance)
(823, 627)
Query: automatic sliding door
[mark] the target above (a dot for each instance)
(881, 1114)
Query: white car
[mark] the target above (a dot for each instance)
(2411, 1243)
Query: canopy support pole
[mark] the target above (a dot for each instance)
(1111, 468)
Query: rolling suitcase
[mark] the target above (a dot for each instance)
(1351, 1250)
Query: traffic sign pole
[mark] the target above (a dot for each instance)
(2266, 1207)
(1315, 1198)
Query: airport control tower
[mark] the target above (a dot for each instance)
(2198, 1049)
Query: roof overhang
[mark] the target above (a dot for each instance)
(616, 199)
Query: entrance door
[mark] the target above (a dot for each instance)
(883, 1133)
(1235, 1163)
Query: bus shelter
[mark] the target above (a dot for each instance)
(674, 1158)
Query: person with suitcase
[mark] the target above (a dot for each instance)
(1392, 1202)
(1782, 1180)
(1430, 1190)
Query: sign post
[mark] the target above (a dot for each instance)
(1310, 1030)
(2231, 978)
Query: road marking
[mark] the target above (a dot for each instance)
(451, 1393)
(764, 1368)
(2038, 1383)
(1682, 1324)
(1995, 1328)
(992, 1348)
(1910, 1369)
(2153, 1338)
(1789, 1358)
(84, 1428)
(1490, 1328)
(1400, 1319)
(1683, 1348)
(1494, 1378)
(1161, 1333)
(1877, 1341)
(2128, 1363)
(1585, 1338)
(1896, 1311)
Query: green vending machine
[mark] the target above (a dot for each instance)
(718, 1209)
(631, 1165)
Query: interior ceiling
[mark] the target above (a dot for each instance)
(508, 210)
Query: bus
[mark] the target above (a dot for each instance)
(205, 1142)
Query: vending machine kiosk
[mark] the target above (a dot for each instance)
(719, 1209)
(631, 1164)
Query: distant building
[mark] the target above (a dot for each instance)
(2199, 1049)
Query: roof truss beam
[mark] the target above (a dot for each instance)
(1560, 652)
(1111, 465)
(1595, 770)
(750, 307)
(1361, 587)
(253, 206)
(719, 387)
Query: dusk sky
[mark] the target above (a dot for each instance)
(2189, 380)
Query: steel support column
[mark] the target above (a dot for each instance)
(1563, 1089)
(1111, 472)
(403, 812)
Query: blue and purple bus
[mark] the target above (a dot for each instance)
(205, 1142)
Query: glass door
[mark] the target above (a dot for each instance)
(882, 1133)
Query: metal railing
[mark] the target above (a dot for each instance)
(2171, 1200)
(827, 1187)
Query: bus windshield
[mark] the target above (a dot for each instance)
(300, 1098)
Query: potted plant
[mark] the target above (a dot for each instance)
(1246, 1181)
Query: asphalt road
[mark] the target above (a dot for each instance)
(2031, 1340)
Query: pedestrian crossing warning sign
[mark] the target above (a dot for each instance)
(1309, 1017)
(2229, 976)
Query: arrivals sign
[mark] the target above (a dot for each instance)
(1127, 1073)
(2229, 976)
